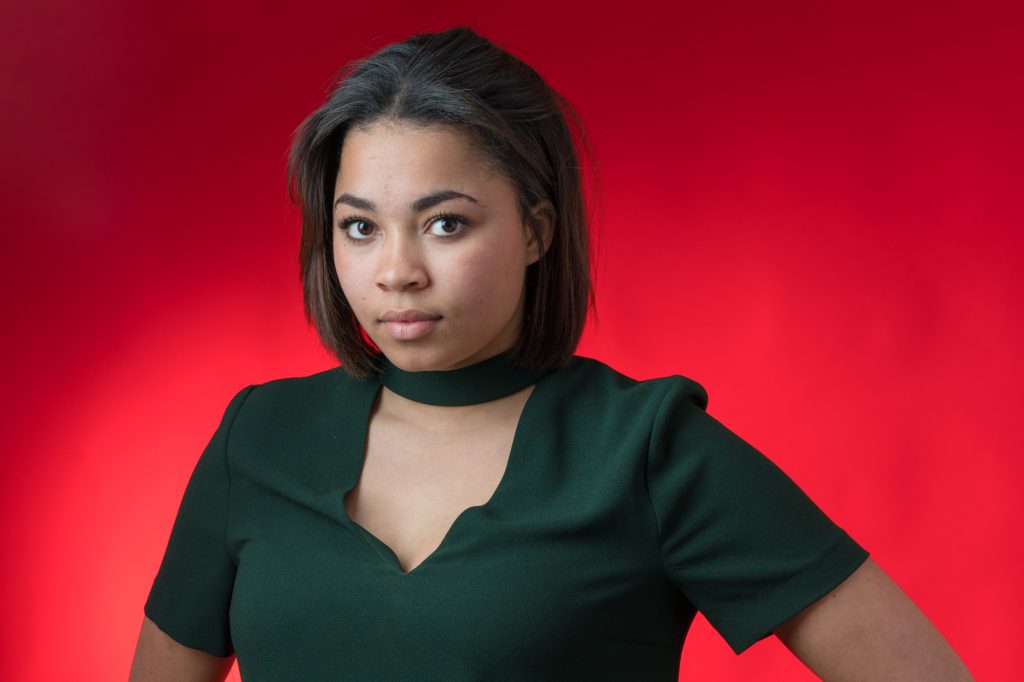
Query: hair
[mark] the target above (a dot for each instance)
(459, 79)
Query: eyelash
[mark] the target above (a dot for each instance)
(343, 224)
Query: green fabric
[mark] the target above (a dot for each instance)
(490, 379)
(625, 507)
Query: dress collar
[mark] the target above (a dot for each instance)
(490, 379)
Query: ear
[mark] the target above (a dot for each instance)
(543, 214)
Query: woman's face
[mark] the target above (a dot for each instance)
(420, 224)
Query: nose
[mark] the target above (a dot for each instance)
(401, 264)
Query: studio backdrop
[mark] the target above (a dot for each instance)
(813, 209)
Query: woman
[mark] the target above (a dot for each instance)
(463, 498)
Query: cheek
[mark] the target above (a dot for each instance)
(347, 271)
(341, 269)
(491, 278)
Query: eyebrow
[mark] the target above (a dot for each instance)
(420, 204)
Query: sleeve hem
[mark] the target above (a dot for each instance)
(184, 640)
(779, 604)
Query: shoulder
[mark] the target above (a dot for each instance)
(275, 418)
(599, 382)
(601, 376)
(301, 394)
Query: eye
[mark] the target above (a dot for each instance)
(450, 218)
(346, 223)
(363, 229)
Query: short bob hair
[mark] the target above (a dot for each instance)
(460, 79)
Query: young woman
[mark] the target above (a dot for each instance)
(463, 497)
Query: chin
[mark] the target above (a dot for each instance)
(413, 359)
(431, 357)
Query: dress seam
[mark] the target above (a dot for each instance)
(245, 392)
(647, 487)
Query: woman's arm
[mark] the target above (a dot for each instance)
(158, 658)
(867, 628)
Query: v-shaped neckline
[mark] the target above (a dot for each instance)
(357, 435)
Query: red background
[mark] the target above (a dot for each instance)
(811, 208)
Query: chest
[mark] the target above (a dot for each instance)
(523, 550)
(415, 481)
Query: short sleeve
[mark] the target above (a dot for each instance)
(191, 592)
(743, 543)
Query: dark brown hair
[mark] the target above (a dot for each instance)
(460, 79)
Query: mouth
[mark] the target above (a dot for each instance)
(412, 329)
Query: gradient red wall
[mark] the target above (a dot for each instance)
(811, 208)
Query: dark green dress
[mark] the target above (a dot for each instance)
(624, 508)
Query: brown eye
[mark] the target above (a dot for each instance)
(451, 224)
(362, 228)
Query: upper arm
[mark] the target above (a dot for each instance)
(190, 597)
(867, 628)
(739, 538)
(159, 658)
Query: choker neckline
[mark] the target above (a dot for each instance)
(486, 380)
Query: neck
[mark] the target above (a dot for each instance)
(445, 420)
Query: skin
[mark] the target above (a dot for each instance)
(473, 274)
(475, 278)
(158, 658)
(865, 629)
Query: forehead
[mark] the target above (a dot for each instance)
(402, 149)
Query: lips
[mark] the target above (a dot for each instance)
(410, 331)
(411, 315)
